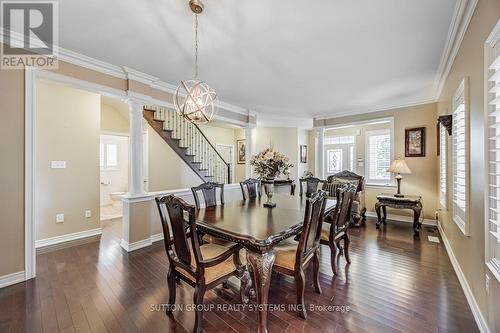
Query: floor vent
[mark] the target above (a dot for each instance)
(433, 239)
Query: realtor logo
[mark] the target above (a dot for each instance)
(30, 34)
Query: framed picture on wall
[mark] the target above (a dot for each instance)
(240, 153)
(303, 154)
(415, 142)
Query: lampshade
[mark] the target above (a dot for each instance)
(399, 166)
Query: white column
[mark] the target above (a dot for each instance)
(319, 153)
(249, 138)
(136, 154)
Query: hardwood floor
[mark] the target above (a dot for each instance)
(396, 283)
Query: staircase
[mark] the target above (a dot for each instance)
(189, 142)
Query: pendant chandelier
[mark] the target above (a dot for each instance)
(194, 99)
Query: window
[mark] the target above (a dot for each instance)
(338, 140)
(378, 157)
(442, 166)
(460, 158)
(492, 132)
(334, 160)
(108, 156)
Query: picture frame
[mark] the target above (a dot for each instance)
(241, 151)
(303, 153)
(415, 142)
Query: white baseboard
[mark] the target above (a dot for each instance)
(157, 237)
(10, 279)
(129, 247)
(402, 218)
(481, 322)
(41, 243)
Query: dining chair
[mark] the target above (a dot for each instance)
(312, 185)
(209, 192)
(293, 258)
(335, 230)
(201, 266)
(250, 188)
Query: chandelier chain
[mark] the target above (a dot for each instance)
(196, 46)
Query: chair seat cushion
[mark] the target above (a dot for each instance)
(285, 254)
(325, 232)
(209, 251)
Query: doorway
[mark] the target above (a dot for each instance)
(113, 163)
(340, 155)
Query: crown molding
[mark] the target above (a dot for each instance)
(462, 15)
(378, 109)
(135, 75)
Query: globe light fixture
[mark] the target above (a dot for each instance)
(194, 99)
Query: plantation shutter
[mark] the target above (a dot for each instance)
(442, 165)
(459, 158)
(494, 149)
(379, 156)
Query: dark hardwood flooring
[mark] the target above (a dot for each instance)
(396, 283)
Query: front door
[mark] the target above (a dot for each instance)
(339, 157)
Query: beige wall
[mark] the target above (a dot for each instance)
(239, 169)
(286, 140)
(67, 129)
(166, 170)
(12, 171)
(470, 251)
(113, 120)
(424, 177)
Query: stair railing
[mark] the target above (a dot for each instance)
(197, 145)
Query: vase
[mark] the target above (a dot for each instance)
(269, 188)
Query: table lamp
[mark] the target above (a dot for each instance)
(399, 167)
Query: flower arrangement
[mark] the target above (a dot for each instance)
(270, 164)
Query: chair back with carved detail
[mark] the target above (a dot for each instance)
(173, 211)
(345, 197)
(311, 229)
(348, 176)
(250, 188)
(209, 192)
(311, 184)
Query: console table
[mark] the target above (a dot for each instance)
(412, 202)
(286, 182)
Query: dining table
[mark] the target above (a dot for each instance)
(259, 230)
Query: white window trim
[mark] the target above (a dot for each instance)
(464, 226)
(369, 182)
(443, 154)
(492, 263)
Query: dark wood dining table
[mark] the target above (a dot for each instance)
(259, 230)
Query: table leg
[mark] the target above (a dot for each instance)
(377, 209)
(262, 267)
(417, 210)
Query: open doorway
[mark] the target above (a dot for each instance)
(114, 165)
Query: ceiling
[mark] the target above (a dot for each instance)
(294, 58)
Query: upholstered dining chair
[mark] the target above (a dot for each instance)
(209, 193)
(336, 229)
(310, 185)
(293, 258)
(250, 188)
(201, 266)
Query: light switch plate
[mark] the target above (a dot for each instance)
(487, 284)
(58, 164)
(88, 213)
(59, 218)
